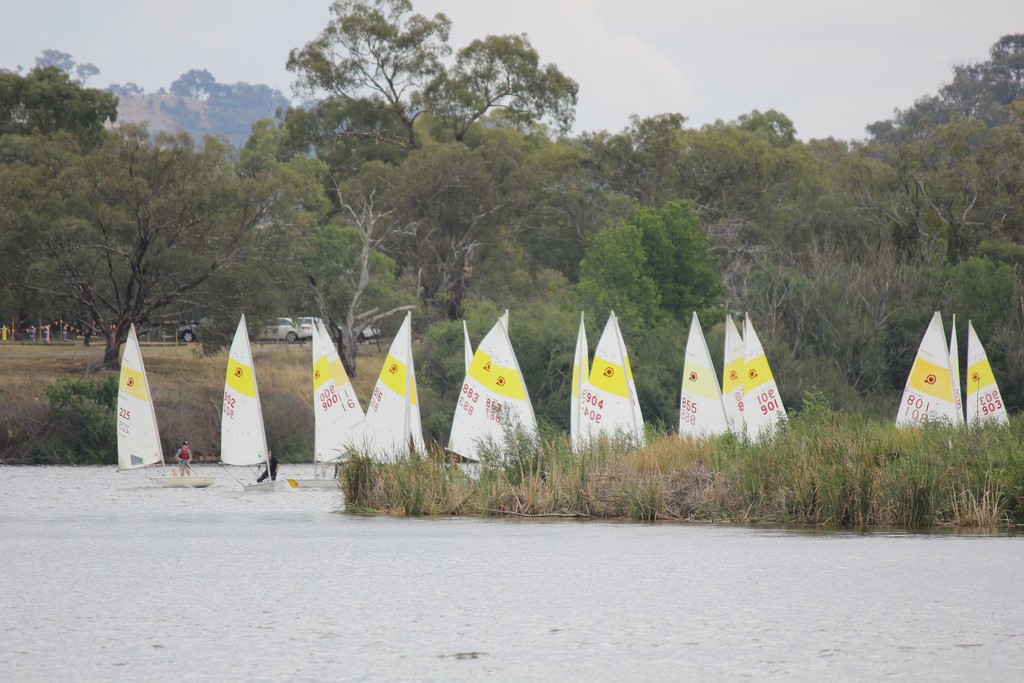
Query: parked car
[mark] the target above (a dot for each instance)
(306, 326)
(187, 331)
(282, 329)
(369, 334)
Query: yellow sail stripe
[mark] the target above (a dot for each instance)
(733, 375)
(240, 378)
(393, 375)
(501, 380)
(931, 379)
(979, 375)
(756, 373)
(699, 381)
(133, 383)
(338, 369)
(609, 377)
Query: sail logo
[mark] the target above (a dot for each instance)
(693, 376)
(752, 374)
(393, 369)
(316, 374)
(500, 381)
(238, 372)
(931, 379)
(733, 375)
(487, 367)
(131, 382)
(609, 372)
(975, 377)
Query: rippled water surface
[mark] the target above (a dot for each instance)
(106, 578)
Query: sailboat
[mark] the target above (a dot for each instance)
(984, 402)
(609, 406)
(928, 395)
(954, 369)
(138, 437)
(580, 374)
(701, 409)
(733, 371)
(762, 404)
(337, 415)
(243, 440)
(392, 424)
(493, 398)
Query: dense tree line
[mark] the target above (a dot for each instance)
(444, 180)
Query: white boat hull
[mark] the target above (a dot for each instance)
(313, 483)
(266, 486)
(182, 482)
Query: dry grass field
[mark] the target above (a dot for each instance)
(187, 388)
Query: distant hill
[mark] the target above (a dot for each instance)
(229, 112)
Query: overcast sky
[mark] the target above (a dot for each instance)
(831, 67)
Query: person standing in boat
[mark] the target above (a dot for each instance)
(271, 469)
(184, 456)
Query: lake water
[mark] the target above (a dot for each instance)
(106, 578)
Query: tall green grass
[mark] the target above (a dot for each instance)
(822, 467)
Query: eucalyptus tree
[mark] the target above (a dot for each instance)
(451, 208)
(346, 267)
(376, 56)
(643, 161)
(559, 200)
(47, 100)
(383, 68)
(501, 73)
(129, 231)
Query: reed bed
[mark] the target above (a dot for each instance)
(822, 468)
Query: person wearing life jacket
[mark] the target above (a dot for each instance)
(184, 456)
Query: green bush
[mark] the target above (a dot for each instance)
(81, 427)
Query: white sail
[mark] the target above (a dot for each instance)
(138, 438)
(954, 368)
(393, 413)
(338, 417)
(580, 375)
(609, 405)
(984, 402)
(243, 440)
(762, 404)
(928, 396)
(701, 409)
(493, 398)
(733, 371)
(467, 346)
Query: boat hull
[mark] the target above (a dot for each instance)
(313, 483)
(182, 482)
(266, 486)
